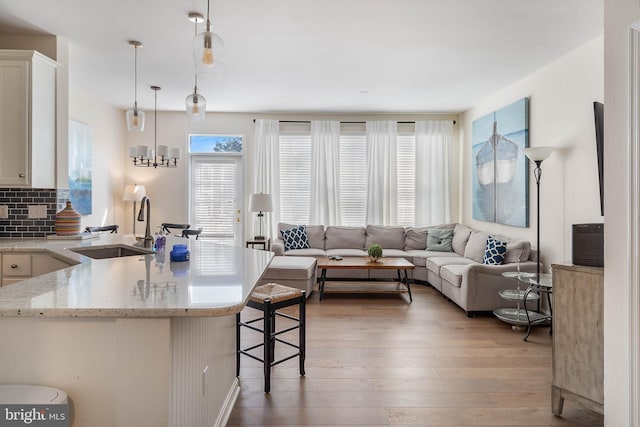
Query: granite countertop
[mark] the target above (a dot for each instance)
(216, 281)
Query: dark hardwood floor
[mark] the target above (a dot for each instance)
(375, 359)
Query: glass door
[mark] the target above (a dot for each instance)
(216, 197)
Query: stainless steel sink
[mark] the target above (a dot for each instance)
(114, 251)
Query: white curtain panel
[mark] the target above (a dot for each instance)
(267, 168)
(432, 198)
(325, 173)
(382, 197)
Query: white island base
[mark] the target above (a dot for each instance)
(127, 371)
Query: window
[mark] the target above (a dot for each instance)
(406, 160)
(353, 177)
(295, 177)
(215, 144)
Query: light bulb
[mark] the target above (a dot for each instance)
(136, 121)
(195, 110)
(207, 57)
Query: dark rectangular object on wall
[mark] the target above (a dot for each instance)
(588, 244)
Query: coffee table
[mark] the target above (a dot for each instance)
(401, 265)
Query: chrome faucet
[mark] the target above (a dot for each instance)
(148, 238)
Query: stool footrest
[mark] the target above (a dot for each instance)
(285, 359)
(287, 316)
(287, 343)
(246, 353)
(275, 334)
(251, 356)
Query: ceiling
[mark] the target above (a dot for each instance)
(400, 56)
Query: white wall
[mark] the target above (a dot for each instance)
(167, 188)
(620, 321)
(108, 130)
(561, 99)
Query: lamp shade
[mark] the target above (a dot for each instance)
(260, 203)
(196, 107)
(538, 154)
(208, 52)
(134, 193)
(135, 119)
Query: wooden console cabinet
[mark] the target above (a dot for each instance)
(578, 337)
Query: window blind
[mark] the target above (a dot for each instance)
(406, 161)
(353, 179)
(213, 187)
(295, 178)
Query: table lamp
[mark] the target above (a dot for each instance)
(260, 203)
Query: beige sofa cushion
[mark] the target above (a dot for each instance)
(420, 257)
(452, 274)
(387, 237)
(460, 238)
(476, 246)
(415, 238)
(344, 237)
(345, 252)
(436, 263)
(519, 249)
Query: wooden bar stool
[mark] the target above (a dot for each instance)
(269, 298)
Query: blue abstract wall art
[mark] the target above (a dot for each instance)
(80, 167)
(500, 178)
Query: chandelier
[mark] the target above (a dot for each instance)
(160, 155)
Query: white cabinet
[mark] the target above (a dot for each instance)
(15, 267)
(27, 119)
(22, 266)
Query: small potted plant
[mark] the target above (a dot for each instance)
(375, 252)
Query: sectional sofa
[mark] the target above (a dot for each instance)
(456, 270)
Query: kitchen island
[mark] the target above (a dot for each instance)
(133, 341)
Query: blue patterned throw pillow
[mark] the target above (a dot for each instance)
(295, 238)
(494, 252)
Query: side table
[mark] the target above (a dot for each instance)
(265, 243)
(522, 316)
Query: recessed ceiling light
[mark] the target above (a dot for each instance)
(364, 92)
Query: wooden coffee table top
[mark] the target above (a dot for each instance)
(360, 262)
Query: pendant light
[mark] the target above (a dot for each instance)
(208, 49)
(135, 117)
(161, 155)
(196, 103)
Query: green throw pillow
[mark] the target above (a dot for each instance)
(439, 240)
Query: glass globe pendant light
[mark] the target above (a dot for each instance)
(208, 49)
(135, 117)
(196, 103)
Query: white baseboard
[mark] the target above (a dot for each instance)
(229, 403)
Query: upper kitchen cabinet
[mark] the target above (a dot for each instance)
(27, 119)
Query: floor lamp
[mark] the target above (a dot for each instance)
(134, 193)
(538, 155)
(260, 203)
